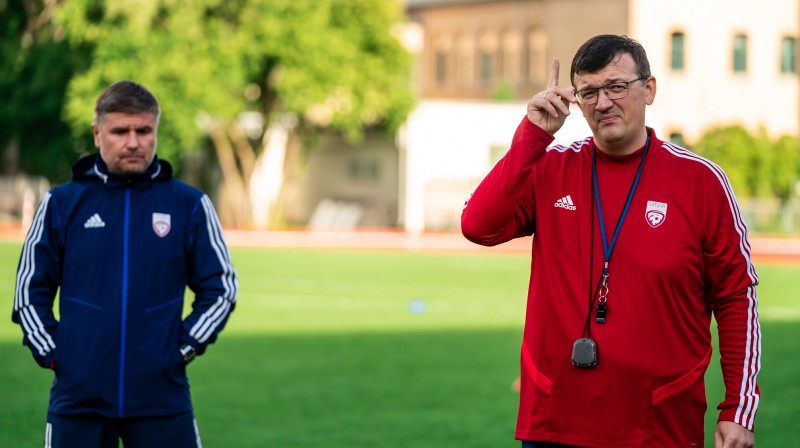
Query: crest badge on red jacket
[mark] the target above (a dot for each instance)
(161, 224)
(656, 213)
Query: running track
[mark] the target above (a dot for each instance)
(771, 249)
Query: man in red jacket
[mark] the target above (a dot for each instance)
(637, 243)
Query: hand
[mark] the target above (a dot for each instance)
(550, 108)
(732, 435)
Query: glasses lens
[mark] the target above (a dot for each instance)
(588, 96)
(616, 91)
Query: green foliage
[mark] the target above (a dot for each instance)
(755, 165)
(329, 62)
(35, 66)
(733, 148)
(167, 46)
(504, 91)
(785, 166)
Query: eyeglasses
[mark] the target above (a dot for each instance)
(614, 91)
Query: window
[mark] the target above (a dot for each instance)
(788, 55)
(360, 169)
(537, 57)
(677, 52)
(464, 70)
(488, 49)
(487, 63)
(677, 138)
(441, 67)
(442, 49)
(511, 56)
(739, 53)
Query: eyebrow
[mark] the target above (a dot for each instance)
(118, 129)
(608, 83)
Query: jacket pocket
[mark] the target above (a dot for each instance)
(81, 302)
(85, 358)
(683, 382)
(543, 382)
(164, 305)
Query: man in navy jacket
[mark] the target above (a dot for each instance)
(120, 243)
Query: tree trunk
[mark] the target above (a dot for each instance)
(234, 209)
(10, 157)
(268, 177)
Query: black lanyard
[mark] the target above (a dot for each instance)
(609, 248)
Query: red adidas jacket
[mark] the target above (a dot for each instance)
(681, 255)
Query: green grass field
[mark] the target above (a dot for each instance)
(325, 350)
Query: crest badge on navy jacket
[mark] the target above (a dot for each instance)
(161, 224)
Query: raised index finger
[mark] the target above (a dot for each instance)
(553, 81)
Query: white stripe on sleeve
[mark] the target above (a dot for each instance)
(748, 397)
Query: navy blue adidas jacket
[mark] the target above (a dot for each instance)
(122, 250)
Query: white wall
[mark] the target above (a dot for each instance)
(445, 145)
(708, 93)
(451, 141)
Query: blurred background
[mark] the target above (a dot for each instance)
(376, 114)
(326, 129)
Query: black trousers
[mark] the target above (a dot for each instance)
(97, 431)
(527, 444)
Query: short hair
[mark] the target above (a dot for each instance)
(599, 51)
(125, 97)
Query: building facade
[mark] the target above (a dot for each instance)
(716, 63)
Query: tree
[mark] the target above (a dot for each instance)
(756, 166)
(327, 63)
(35, 66)
(737, 152)
(785, 167)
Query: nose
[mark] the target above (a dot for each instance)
(603, 101)
(132, 140)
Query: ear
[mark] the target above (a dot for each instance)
(96, 133)
(650, 90)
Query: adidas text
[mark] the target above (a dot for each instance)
(565, 203)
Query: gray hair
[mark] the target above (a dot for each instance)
(126, 97)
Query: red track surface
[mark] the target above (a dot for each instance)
(763, 248)
(772, 249)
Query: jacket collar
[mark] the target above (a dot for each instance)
(93, 167)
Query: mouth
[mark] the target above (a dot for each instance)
(607, 119)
